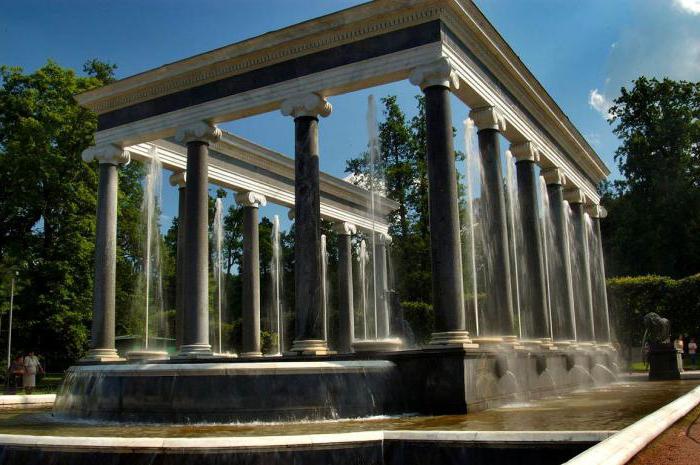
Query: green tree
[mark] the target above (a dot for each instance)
(654, 221)
(48, 203)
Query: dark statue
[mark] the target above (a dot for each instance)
(662, 357)
(657, 329)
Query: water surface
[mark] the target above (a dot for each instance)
(610, 408)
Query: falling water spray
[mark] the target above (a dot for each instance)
(218, 232)
(471, 164)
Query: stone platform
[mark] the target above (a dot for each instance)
(425, 382)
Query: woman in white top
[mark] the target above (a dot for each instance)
(31, 367)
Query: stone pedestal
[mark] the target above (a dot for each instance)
(663, 362)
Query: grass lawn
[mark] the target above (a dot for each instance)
(46, 384)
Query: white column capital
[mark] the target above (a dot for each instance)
(553, 176)
(596, 211)
(488, 118)
(525, 151)
(344, 228)
(385, 239)
(574, 195)
(440, 72)
(178, 179)
(108, 153)
(200, 131)
(310, 104)
(251, 199)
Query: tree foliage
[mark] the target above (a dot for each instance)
(48, 203)
(405, 180)
(654, 221)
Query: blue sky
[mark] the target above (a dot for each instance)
(581, 51)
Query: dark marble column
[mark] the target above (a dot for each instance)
(195, 338)
(563, 317)
(597, 267)
(180, 180)
(499, 299)
(307, 234)
(445, 248)
(250, 273)
(346, 318)
(533, 305)
(102, 348)
(585, 326)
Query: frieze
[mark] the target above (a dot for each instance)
(262, 58)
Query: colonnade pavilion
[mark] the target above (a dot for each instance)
(442, 46)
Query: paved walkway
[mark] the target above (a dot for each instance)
(25, 400)
(678, 445)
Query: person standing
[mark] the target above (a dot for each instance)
(692, 351)
(16, 373)
(31, 367)
(678, 344)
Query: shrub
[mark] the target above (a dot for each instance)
(420, 319)
(630, 298)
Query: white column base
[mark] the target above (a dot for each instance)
(450, 339)
(194, 351)
(309, 347)
(250, 354)
(102, 355)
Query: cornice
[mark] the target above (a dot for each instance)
(495, 52)
(343, 27)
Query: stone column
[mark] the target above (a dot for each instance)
(250, 273)
(597, 267)
(195, 338)
(381, 285)
(180, 180)
(102, 347)
(346, 318)
(585, 326)
(499, 299)
(305, 110)
(533, 306)
(435, 80)
(563, 319)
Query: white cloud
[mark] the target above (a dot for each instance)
(689, 6)
(599, 102)
(593, 139)
(654, 44)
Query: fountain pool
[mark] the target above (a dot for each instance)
(547, 431)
